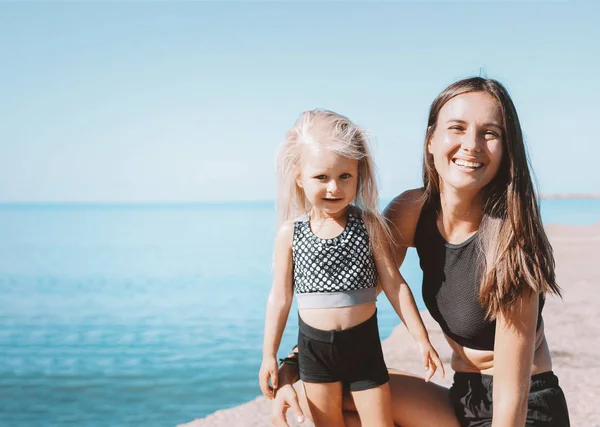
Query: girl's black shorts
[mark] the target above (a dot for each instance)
(352, 356)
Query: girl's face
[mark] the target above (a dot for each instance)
(329, 180)
(467, 142)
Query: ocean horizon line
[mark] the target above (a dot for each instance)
(143, 205)
(204, 203)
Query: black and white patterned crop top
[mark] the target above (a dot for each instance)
(336, 272)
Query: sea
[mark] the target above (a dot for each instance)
(153, 315)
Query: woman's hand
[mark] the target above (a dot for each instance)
(268, 371)
(286, 397)
(431, 360)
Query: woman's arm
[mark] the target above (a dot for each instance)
(285, 395)
(514, 347)
(278, 307)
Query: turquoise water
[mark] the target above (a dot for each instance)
(145, 315)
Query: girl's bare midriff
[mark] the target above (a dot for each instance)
(330, 319)
(482, 361)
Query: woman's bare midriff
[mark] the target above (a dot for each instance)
(330, 319)
(466, 359)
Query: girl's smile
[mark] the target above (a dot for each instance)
(329, 180)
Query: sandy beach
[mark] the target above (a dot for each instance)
(571, 326)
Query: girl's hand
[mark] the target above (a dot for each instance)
(431, 360)
(268, 371)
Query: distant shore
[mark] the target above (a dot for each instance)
(570, 196)
(571, 327)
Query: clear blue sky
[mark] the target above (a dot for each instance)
(188, 101)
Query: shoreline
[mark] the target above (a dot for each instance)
(570, 328)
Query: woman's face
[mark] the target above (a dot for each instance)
(467, 142)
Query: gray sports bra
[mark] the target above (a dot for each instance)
(336, 272)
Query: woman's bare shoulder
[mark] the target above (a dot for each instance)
(403, 214)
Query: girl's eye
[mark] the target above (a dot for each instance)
(456, 128)
(345, 176)
(320, 176)
(491, 134)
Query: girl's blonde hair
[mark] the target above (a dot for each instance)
(338, 134)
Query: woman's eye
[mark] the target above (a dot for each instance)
(491, 134)
(456, 128)
(345, 176)
(320, 176)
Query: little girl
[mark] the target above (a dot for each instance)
(332, 249)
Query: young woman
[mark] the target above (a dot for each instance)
(487, 265)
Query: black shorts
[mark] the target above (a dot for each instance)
(471, 396)
(352, 356)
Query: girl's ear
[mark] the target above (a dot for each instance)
(299, 181)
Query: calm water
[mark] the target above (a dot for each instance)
(121, 316)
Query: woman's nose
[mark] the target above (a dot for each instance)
(470, 141)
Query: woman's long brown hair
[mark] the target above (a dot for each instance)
(518, 256)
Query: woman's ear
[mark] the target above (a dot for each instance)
(299, 181)
(430, 133)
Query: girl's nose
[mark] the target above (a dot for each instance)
(332, 186)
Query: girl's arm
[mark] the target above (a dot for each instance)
(278, 307)
(401, 298)
(397, 291)
(513, 358)
(402, 215)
